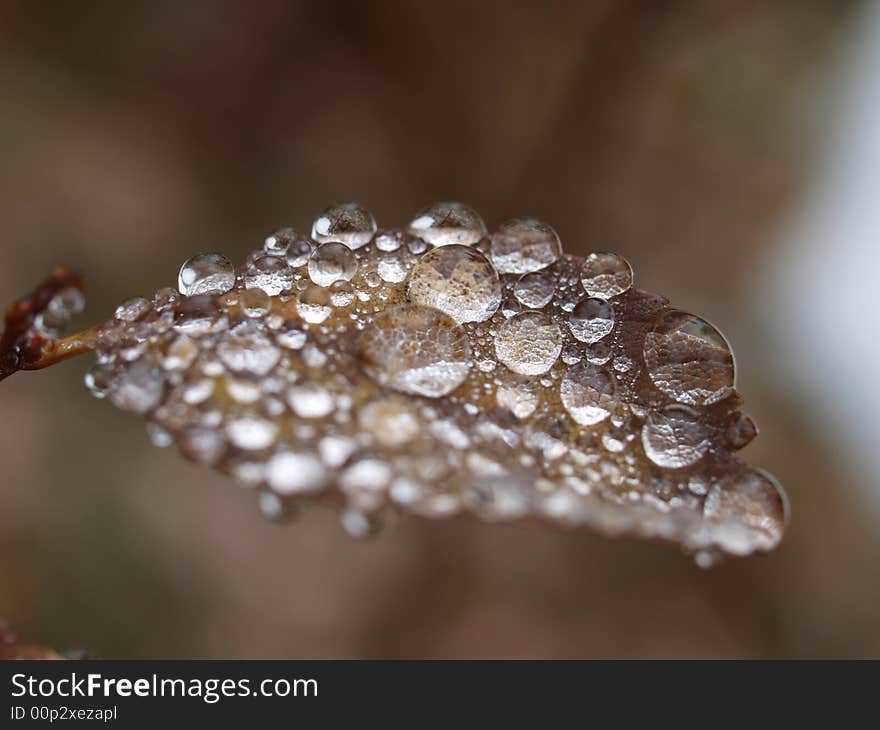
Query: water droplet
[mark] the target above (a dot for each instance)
(310, 401)
(159, 436)
(741, 431)
(392, 270)
(348, 223)
(458, 281)
(298, 252)
(341, 293)
(360, 525)
(206, 273)
(519, 398)
(202, 445)
(279, 242)
(751, 511)
(251, 432)
(442, 224)
(523, 245)
(528, 343)
(591, 320)
(416, 350)
(296, 472)
(587, 393)
(675, 437)
(606, 275)
(535, 290)
(391, 240)
(181, 353)
(269, 273)
(138, 388)
(132, 309)
(247, 349)
(255, 302)
(389, 421)
(689, 359)
(331, 262)
(314, 304)
(98, 380)
(292, 339)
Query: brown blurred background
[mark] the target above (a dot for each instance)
(682, 133)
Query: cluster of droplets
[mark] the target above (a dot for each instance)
(441, 368)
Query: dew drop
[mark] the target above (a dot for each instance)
(587, 393)
(535, 290)
(298, 252)
(206, 273)
(347, 223)
(314, 304)
(138, 388)
(255, 302)
(528, 343)
(606, 275)
(98, 380)
(591, 320)
(251, 432)
(392, 270)
(689, 359)
(248, 350)
(675, 437)
(269, 273)
(457, 280)
(442, 224)
(132, 309)
(331, 262)
(523, 245)
(279, 242)
(341, 294)
(310, 401)
(296, 472)
(417, 350)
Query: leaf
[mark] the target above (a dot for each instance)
(439, 370)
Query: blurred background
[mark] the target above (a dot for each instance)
(728, 149)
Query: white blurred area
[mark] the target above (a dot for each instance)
(817, 292)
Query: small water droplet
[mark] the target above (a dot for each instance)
(587, 393)
(606, 275)
(269, 273)
(360, 525)
(591, 320)
(442, 224)
(529, 343)
(391, 269)
(341, 294)
(247, 349)
(675, 437)
(279, 242)
(98, 380)
(458, 281)
(689, 359)
(255, 303)
(535, 290)
(206, 273)
(416, 350)
(132, 309)
(310, 401)
(331, 262)
(298, 252)
(314, 304)
(347, 223)
(296, 472)
(251, 433)
(137, 388)
(522, 245)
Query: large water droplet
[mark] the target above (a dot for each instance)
(442, 224)
(688, 359)
(457, 280)
(348, 223)
(528, 343)
(416, 350)
(591, 320)
(675, 437)
(751, 511)
(587, 393)
(331, 262)
(523, 245)
(535, 290)
(206, 273)
(269, 273)
(606, 275)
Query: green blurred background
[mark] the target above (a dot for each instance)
(681, 133)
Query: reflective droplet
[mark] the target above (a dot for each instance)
(348, 223)
(391, 240)
(251, 432)
(689, 359)
(390, 421)
(255, 302)
(331, 262)
(392, 270)
(751, 511)
(587, 393)
(519, 398)
(442, 224)
(279, 242)
(458, 281)
(98, 380)
(535, 290)
(132, 309)
(675, 437)
(296, 472)
(206, 273)
(599, 352)
(416, 350)
(269, 273)
(248, 350)
(591, 320)
(523, 245)
(741, 432)
(292, 339)
(606, 275)
(360, 525)
(341, 293)
(314, 304)
(528, 343)
(137, 388)
(202, 445)
(310, 401)
(181, 353)
(298, 252)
